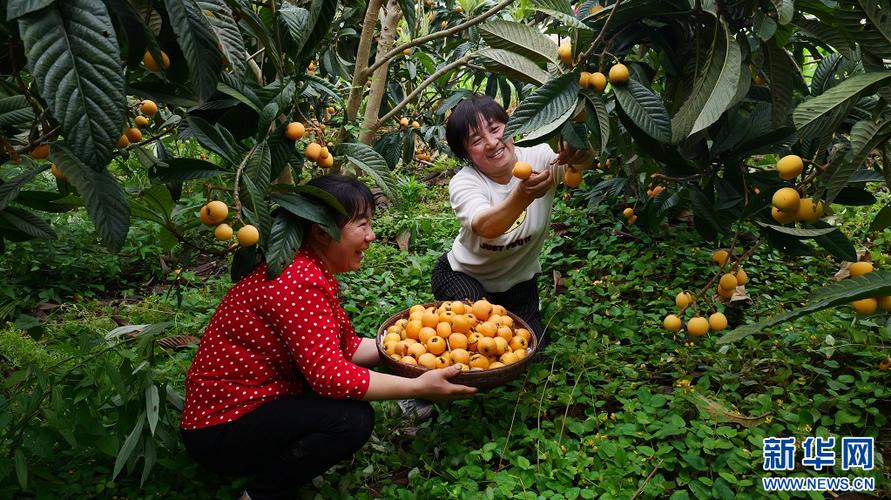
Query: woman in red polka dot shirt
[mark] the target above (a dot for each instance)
(279, 387)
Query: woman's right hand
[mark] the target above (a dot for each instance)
(435, 385)
(536, 185)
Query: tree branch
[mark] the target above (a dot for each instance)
(426, 83)
(435, 36)
(602, 33)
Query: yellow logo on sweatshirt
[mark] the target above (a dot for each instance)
(517, 222)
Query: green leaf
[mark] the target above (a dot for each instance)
(539, 135)
(544, 106)
(369, 161)
(309, 209)
(150, 456)
(704, 211)
(185, 169)
(645, 109)
(211, 137)
(782, 71)
(785, 10)
(411, 19)
(550, 8)
(18, 8)
(798, 233)
(321, 15)
(255, 26)
(103, 196)
(865, 136)
(882, 219)
(28, 223)
(15, 110)
(152, 405)
(826, 72)
(73, 56)
(129, 446)
(877, 13)
(512, 65)
(814, 117)
(601, 116)
(696, 461)
(21, 468)
(219, 16)
(256, 178)
(11, 188)
(520, 39)
(295, 20)
(713, 90)
(285, 238)
(155, 204)
(842, 292)
(198, 42)
(836, 243)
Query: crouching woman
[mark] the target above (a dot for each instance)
(279, 388)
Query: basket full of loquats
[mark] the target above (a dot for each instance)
(492, 344)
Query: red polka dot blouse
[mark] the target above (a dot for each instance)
(270, 338)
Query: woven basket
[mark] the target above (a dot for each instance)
(481, 379)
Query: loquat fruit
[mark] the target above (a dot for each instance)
(248, 235)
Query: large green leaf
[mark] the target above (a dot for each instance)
(321, 15)
(513, 65)
(865, 136)
(814, 117)
(871, 32)
(309, 209)
(285, 238)
(785, 10)
(560, 10)
(15, 110)
(836, 243)
(520, 39)
(212, 138)
(782, 71)
(28, 223)
(546, 131)
(102, 195)
(18, 8)
(713, 90)
(796, 232)
(219, 16)
(842, 292)
(10, 189)
(602, 117)
(255, 26)
(74, 58)
(543, 107)
(645, 109)
(256, 179)
(129, 446)
(369, 161)
(199, 45)
(882, 219)
(154, 204)
(295, 20)
(826, 72)
(184, 169)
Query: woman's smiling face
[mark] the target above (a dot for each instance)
(488, 153)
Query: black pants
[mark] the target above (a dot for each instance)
(284, 443)
(521, 299)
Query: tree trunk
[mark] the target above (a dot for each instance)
(362, 53)
(391, 15)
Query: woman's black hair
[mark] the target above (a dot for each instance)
(467, 117)
(353, 195)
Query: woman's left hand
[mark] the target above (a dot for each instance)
(569, 155)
